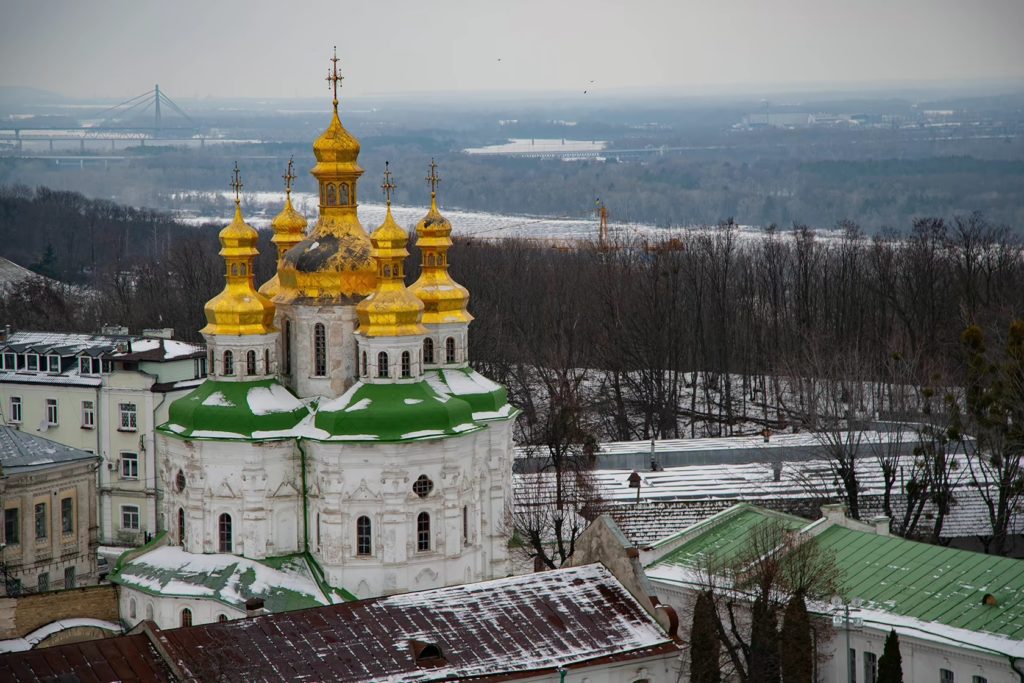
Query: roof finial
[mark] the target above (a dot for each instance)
(433, 178)
(236, 183)
(334, 78)
(289, 177)
(388, 185)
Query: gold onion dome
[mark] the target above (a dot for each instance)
(391, 310)
(239, 309)
(333, 264)
(444, 299)
(289, 228)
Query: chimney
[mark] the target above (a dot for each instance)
(835, 513)
(254, 607)
(777, 470)
(881, 524)
(654, 457)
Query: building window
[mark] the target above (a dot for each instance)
(343, 194)
(319, 350)
(465, 524)
(365, 370)
(12, 529)
(84, 365)
(979, 679)
(382, 364)
(88, 415)
(945, 676)
(10, 361)
(131, 608)
(250, 362)
(449, 350)
(406, 364)
(51, 412)
(179, 481)
(186, 617)
(181, 526)
(422, 486)
(129, 417)
(221, 618)
(870, 667)
(229, 363)
(149, 611)
(423, 532)
(42, 522)
(129, 465)
(69, 577)
(332, 195)
(31, 361)
(67, 516)
(15, 409)
(363, 528)
(428, 351)
(266, 361)
(43, 582)
(224, 533)
(13, 587)
(288, 347)
(130, 517)
(852, 662)
(53, 363)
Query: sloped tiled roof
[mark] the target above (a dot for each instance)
(24, 452)
(125, 658)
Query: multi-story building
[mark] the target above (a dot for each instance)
(48, 498)
(103, 394)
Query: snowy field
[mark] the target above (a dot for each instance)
(540, 146)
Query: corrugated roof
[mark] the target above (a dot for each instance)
(23, 452)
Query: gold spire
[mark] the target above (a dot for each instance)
(333, 264)
(239, 308)
(289, 228)
(444, 300)
(392, 310)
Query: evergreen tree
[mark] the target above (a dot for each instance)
(764, 644)
(796, 650)
(704, 643)
(47, 264)
(890, 666)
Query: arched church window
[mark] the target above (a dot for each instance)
(422, 486)
(288, 347)
(423, 532)
(131, 608)
(181, 526)
(224, 533)
(387, 271)
(364, 364)
(149, 611)
(430, 259)
(266, 361)
(179, 481)
(243, 269)
(221, 618)
(186, 617)
(406, 364)
(332, 196)
(382, 364)
(229, 363)
(343, 197)
(234, 269)
(428, 351)
(250, 362)
(363, 528)
(449, 350)
(319, 350)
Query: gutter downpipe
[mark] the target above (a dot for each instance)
(562, 671)
(305, 501)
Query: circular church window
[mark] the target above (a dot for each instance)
(422, 486)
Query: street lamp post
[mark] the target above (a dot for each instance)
(842, 619)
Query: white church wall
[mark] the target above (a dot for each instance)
(339, 326)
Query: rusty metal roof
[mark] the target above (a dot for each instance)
(484, 631)
(125, 658)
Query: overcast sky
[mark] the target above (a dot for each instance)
(199, 48)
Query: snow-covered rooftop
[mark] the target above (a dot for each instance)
(22, 452)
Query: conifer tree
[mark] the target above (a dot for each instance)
(890, 665)
(796, 650)
(764, 644)
(705, 646)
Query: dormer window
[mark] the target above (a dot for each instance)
(427, 655)
(53, 363)
(10, 361)
(31, 361)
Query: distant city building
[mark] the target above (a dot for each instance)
(48, 499)
(101, 393)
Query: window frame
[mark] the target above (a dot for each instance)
(67, 516)
(50, 359)
(52, 412)
(126, 516)
(364, 536)
(41, 520)
(32, 362)
(428, 350)
(225, 537)
(130, 464)
(43, 582)
(406, 369)
(450, 355)
(12, 522)
(319, 350)
(229, 364)
(870, 660)
(383, 365)
(946, 676)
(9, 361)
(250, 362)
(88, 415)
(128, 417)
(15, 401)
(186, 617)
(423, 532)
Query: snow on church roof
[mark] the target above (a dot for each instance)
(492, 630)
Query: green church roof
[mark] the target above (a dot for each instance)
(235, 410)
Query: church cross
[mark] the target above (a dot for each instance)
(388, 185)
(289, 177)
(433, 178)
(236, 184)
(333, 77)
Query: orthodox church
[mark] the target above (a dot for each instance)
(341, 447)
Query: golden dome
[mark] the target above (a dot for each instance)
(289, 228)
(239, 308)
(444, 299)
(333, 264)
(392, 310)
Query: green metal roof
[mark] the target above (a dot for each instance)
(930, 582)
(242, 410)
(285, 583)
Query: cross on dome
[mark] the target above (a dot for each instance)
(333, 77)
(289, 177)
(388, 185)
(433, 178)
(236, 184)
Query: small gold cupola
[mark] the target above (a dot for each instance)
(391, 310)
(444, 299)
(333, 264)
(289, 228)
(239, 309)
